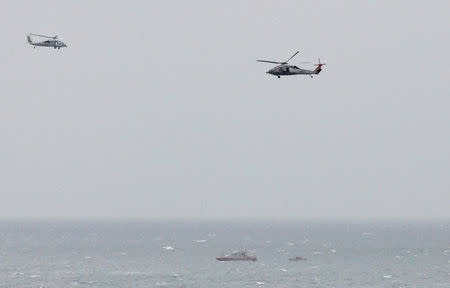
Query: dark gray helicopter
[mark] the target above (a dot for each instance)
(283, 69)
(51, 42)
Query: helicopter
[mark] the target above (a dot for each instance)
(51, 42)
(283, 69)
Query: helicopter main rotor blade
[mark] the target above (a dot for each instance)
(39, 35)
(273, 62)
(292, 57)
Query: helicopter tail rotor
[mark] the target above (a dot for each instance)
(319, 67)
(320, 64)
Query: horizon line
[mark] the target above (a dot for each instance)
(226, 219)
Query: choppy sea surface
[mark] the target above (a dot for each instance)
(182, 254)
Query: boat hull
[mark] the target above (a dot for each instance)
(236, 259)
(297, 259)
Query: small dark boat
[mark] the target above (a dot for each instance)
(237, 256)
(297, 258)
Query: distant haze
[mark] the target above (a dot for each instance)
(158, 109)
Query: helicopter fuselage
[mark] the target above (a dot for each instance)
(47, 43)
(50, 43)
(285, 70)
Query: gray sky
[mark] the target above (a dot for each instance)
(159, 110)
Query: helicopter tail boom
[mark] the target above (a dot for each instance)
(318, 68)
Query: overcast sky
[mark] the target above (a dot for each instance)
(158, 109)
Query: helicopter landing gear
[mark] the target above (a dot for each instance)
(278, 76)
(311, 76)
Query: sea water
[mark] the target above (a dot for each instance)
(182, 254)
